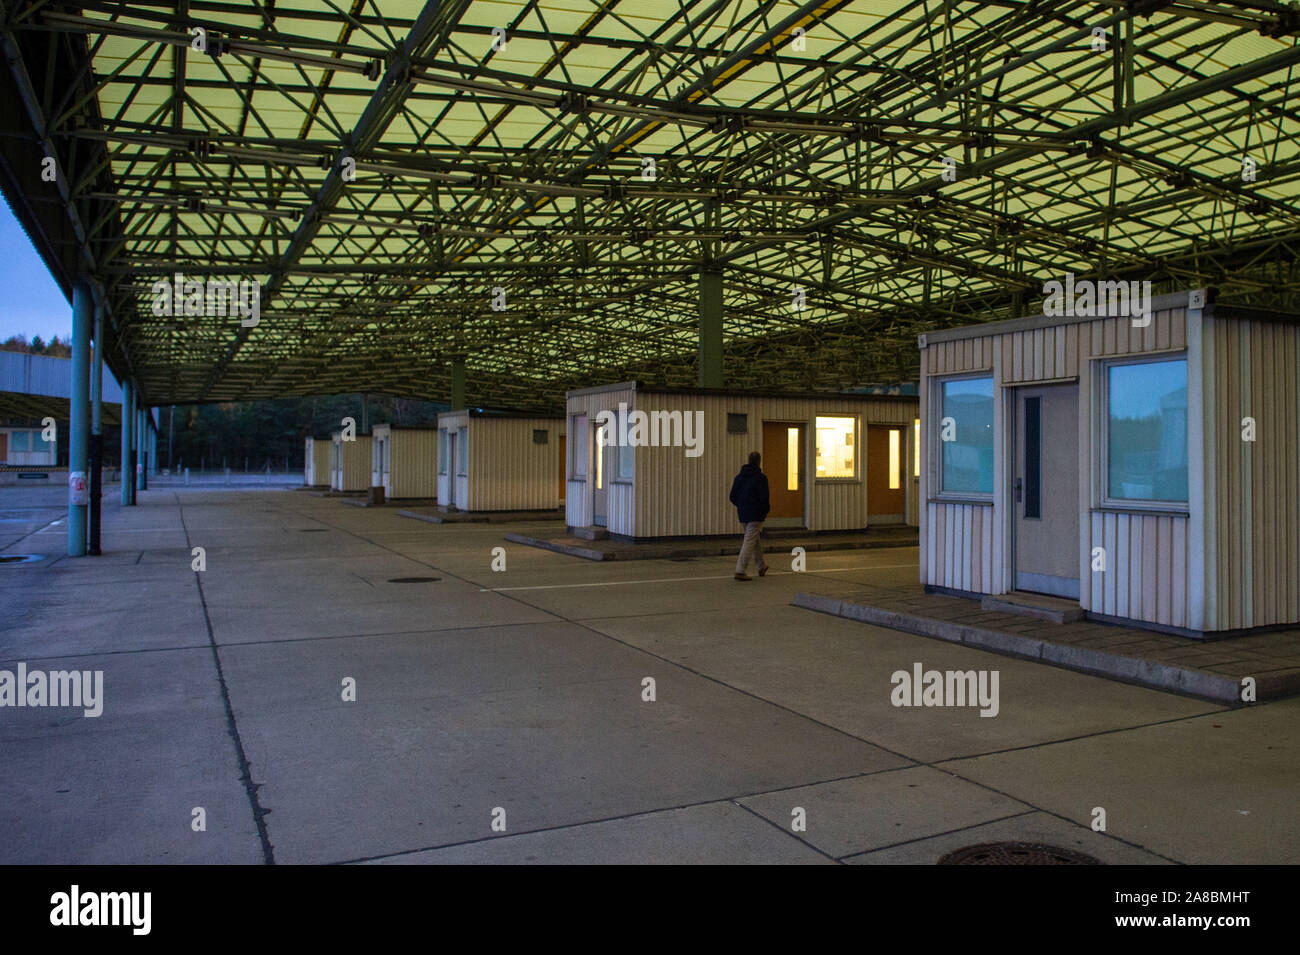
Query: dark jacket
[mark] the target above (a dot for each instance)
(749, 494)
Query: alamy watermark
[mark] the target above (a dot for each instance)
(1089, 299)
(73, 688)
(651, 429)
(126, 909)
(946, 688)
(213, 298)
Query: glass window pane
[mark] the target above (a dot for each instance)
(895, 459)
(1146, 431)
(836, 440)
(442, 452)
(916, 447)
(462, 451)
(601, 438)
(18, 441)
(792, 459)
(966, 436)
(578, 448)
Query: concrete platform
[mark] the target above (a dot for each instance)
(1051, 609)
(437, 515)
(686, 548)
(522, 690)
(1212, 672)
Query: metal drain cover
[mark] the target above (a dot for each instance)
(413, 580)
(19, 558)
(1016, 853)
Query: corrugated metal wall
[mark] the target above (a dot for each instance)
(960, 547)
(412, 462)
(451, 424)
(955, 537)
(316, 473)
(508, 471)
(1151, 558)
(351, 471)
(674, 495)
(577, 500)
(1252, 369)
(1147, 570)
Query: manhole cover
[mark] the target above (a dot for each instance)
(19, 558)
(412, 580)
(1016, 853)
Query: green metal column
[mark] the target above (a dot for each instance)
(710, 328)
(127, 462)
(96, 428)
(142, 451)
(83, 317)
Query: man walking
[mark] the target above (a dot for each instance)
(749, 494)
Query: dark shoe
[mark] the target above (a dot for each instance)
(744, 577)
(762, 571)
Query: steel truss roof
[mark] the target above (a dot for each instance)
(385, 167)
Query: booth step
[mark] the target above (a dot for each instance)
(1039, 606)
(591, 533)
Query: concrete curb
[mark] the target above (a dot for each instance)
(666, 552)
(571, 550)
(436, 519)
(1159, 676)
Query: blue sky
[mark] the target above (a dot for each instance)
(30, 301)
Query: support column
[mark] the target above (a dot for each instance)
(142, 451)
(365, 414)
(128, 420)
(457, 384)
(710, 294)
(83, 317)
(153, 448)
(97, 428)
(132, 478)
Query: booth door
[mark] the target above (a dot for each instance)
(783, 459)
(886, 467)
(4, 447)
(564, 466)
(1045, 490)
(599, 479)
(451, 470)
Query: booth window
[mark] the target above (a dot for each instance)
(442, 452)
(541, 436)
(18, 440)
(1146, 432)
(837, 438)
(895, 458)
(737, 423)
(916, 447)
(462, 451)
(624, 460)
(578, 426)
(965, 431)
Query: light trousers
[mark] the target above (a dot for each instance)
(752, 548)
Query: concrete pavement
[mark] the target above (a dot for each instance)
(517, 699)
